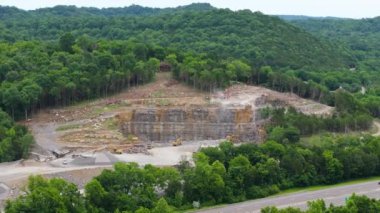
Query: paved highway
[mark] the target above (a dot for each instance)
(336, 196)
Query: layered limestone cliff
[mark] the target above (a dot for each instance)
(190, 123)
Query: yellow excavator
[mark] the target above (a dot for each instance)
(177, 142)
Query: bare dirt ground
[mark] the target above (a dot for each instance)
(255, 96)
(86, 133)
(164, 91)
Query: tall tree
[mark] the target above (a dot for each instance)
(66, 42)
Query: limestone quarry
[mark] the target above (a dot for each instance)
(140, 124)
(160, 112)
(233, 112)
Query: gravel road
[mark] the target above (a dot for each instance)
(4, 190)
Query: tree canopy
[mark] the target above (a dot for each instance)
(256, 38)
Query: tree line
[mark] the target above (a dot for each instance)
(223, 174)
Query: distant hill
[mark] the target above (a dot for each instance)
(133, 10)
(301, 17)
(254, 37)
(360, 36)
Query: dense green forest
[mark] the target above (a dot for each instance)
(256, 38)
(285, 122)
(223, 174)
(37, 74)
(361, 37)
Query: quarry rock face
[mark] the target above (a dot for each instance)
(190, 123)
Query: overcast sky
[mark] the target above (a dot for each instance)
(338, 8)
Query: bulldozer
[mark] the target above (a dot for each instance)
(115, 150)
(177, 142)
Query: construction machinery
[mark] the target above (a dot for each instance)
(177, 142)
(117, 151)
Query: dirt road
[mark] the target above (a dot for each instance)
(334, 196)
(160, 156)
(4, 191)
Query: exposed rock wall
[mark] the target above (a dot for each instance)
(194, 123)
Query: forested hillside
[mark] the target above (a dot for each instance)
(62, 55)
(361, 37)
(256, 38)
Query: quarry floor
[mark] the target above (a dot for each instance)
(87, 133)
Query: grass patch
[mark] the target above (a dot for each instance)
(68, 127)
(326, 138)
(99, 110)
(157, 94)
(111, 124)
(163, 102)
(323, 137)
